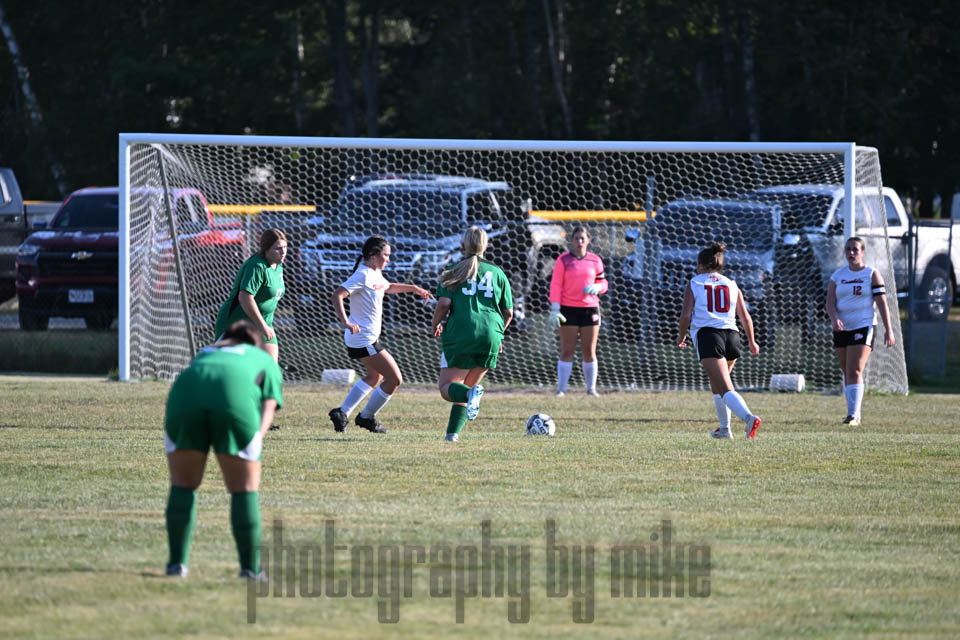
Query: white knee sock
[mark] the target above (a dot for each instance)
(733, 400)
(590, 375)
(723, 413)
(377, 399)
(563, 374)
(355, 396)
(854, 395)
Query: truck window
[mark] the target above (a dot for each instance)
(893, 218)
(89, 211)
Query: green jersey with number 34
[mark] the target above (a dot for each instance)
(475, 323)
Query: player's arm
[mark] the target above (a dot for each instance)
(397, 287)
(747, 322)
(267, 409)
(879, 292)
(439, 313)
(337, 299)
(600, 285)
(685, 314)
(556, 283)
(249, 305)
(835, 320)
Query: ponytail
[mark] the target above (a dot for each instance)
(474, 243)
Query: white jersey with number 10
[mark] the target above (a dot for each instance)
(714, 301)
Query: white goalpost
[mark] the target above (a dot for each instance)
(193, 207)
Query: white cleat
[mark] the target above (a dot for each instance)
(721, 433)
(473, 402)
(452, 437)
(560, 394)
(592, 392)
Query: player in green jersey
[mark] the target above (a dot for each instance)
(226, 399)
(257, 289)
(476, 295)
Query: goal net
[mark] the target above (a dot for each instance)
(782, 210)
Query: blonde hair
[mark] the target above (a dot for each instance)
(474, 243)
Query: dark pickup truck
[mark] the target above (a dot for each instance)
(71, 268)
(18, 218)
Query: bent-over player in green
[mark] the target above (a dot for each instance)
(225, 399)
(476, 295)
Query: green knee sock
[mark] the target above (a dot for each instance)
(245, 521)
(458, 418)
(181, 517)
(458, 391)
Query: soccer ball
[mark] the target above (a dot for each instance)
(540, 424)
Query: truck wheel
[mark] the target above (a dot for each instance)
(33, 321)
(934, 296)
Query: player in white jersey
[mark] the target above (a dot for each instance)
(851, 295)
(711, 304)
(366, 288)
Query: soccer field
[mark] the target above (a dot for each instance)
(813, 529)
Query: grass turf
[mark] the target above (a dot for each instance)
(814, 529)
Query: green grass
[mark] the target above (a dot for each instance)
(815, 530)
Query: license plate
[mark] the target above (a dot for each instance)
(80, 295)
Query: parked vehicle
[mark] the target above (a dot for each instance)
(71, 269)
(665, 258)
(423, 217)
(18, 218)
(813, 240)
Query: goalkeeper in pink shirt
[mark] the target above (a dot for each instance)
(575, 287)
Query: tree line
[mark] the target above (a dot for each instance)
(75, 73)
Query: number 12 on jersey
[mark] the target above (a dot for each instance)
(718, 298)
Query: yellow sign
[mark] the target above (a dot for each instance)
(253, 209)
(591, 215)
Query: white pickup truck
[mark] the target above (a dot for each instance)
(813, 223)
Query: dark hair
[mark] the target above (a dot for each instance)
(243, 331)
(711, 258)
(580, 228)
(269, 238)
(373, 246)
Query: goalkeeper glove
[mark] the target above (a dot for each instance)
(556, 318)
(591, 289)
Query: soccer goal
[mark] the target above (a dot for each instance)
(783, 210)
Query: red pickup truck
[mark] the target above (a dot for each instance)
(70, 269)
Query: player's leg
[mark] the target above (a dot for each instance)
(568, 344)
(588, 348)
(718, 370)
(385, 367)
(453, 389)
(857, 356)
(242, 479)
(273, 349)
(359, 391)
(186, 472)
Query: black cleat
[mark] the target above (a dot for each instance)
(339, 419)
(370, 424)
(274, 427)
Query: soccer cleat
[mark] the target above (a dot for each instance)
(274, 427)
(249, 574)
(592, 392)
(560, 394)
(452, 437)
(851, 421)
(370, 424)
(752, 427)
(473, 402)
(721, 433)
(339, 419)
(177, 569)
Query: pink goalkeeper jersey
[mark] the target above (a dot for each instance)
(571, 274)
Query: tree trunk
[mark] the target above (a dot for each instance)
(749, 75)
(531, 65)
(370, 45)
(556, 54)
(336, 11)
(297, 80)
(30, 100)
